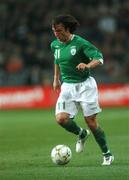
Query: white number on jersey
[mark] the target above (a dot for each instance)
(57, 54)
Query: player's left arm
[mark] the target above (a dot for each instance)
(90, 65)
(95, 57)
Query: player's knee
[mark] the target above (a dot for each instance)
(91, 122)
(62, 118)
(92, 126)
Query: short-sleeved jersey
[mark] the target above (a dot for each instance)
(69, 55)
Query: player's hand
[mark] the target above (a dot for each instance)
(56, 85)
(82, 66)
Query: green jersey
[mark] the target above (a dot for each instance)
(69, 55)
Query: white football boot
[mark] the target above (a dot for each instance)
(107, 160)
(81, 141)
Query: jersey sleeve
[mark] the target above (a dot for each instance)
(53, 50)
(92, 52)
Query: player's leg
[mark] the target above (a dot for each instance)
(97, 132)
(100, 138)
(90, 107)
(64, 120)
(66, 110)
(65, 113)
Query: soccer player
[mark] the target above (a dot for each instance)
(74, 57)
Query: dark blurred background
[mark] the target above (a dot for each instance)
(25, 37)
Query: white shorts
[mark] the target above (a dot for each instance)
(75, 95)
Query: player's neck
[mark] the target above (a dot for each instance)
(69, 38)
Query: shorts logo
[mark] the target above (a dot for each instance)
(73, 50)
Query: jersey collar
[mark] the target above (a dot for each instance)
(72, 37)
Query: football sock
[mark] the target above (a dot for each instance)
(71, 126)
(83, 134)
(101, 140)
(108, 153)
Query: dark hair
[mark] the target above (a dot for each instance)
(67, 20)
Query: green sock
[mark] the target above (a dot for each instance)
(101, 139)
(71, 126)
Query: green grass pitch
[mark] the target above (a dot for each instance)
(27, 137)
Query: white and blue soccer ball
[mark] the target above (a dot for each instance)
(61, 154)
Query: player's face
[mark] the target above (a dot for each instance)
(60, 32)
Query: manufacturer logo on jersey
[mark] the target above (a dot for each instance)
(73, 50)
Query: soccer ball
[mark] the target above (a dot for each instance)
(61, 154)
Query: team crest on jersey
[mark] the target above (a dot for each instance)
(73, 50)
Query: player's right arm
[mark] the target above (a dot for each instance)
(56, 82)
